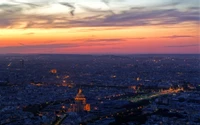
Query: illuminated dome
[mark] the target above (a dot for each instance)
(80, 94)
(80, 103)
(80, 98)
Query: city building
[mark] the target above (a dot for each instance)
(53, 71)
(80, 103)
(22, 63)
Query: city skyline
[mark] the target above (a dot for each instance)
(62, 89)
(99, 27)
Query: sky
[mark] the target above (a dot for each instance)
(100, 26)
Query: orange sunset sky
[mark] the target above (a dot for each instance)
(99, 26)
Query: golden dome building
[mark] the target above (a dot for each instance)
(80, 103)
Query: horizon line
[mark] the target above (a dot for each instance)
(100, 54)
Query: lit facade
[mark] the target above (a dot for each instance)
(80, 103)
(53, 71)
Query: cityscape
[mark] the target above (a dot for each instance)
(99, 62)
(83, 89)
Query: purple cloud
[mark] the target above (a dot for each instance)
(105, 40)
(25, 48)
(189, 45)
(31, 33)
(177, 36)
(12, 14)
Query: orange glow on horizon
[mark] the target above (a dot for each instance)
(91, 40)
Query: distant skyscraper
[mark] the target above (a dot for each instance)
(22, 63)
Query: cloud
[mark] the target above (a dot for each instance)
(23, 47)
(52, 45)
(106, 2)
(31, 33)
(189, 45)
(139, 38)
(70, 6)
(105, 40)
(14, 16)
(21, 44)
(30, 5)
(95, 10)
(137, 8)
(177, 36)
(50, 41)
(141, 18)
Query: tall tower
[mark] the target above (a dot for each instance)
(22, 63)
